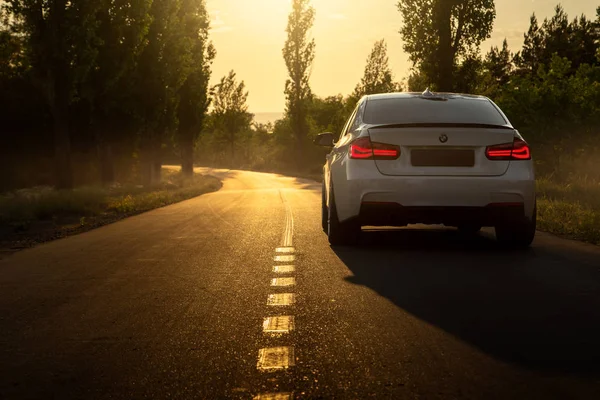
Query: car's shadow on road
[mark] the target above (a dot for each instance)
(527, 307)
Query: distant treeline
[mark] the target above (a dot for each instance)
(549, 89)
(107, 90)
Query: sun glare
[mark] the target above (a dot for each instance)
(263, 11)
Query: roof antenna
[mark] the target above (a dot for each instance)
(427, 93)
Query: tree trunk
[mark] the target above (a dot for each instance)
(301, 132)
(445, 60)
(232, 153)
(150, 167)
(299, 153)
(146, 168)
(62, 143)
(157, 167)
(186, 145)
(104, 150)
(188, 127)
(148, 159)
(54, 80)
(187, 158)
(107, 170)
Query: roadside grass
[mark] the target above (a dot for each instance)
(43, 213)
(173, 189)
(570, 209)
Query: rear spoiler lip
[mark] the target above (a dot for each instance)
(441, 125)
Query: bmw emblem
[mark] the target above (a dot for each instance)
(443, 138)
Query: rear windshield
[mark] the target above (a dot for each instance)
(416, 110)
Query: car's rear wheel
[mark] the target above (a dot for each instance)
(340, 233)
(517, 234)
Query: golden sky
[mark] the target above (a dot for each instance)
(249, 36)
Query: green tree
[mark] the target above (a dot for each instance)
(584, 41)
(556, 35)
(194, 98)
(467, 75)
(122, 30)
(437, 33)
(417, 81)
(530, 57)
(230, 116)
(499, 64)
(299, 53)
(161, 71)
(11, 48)
(578, 41)
(377, 77)
(21, 136)
(61, 46)
(328, 114)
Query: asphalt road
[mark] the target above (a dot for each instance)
(171, 304)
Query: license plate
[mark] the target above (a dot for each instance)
(442, 158)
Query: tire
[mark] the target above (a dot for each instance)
(469, 229)
(341, 233)
(324, 210)
(518, 234)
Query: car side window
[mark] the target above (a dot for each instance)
(348, 124)
(357, 117)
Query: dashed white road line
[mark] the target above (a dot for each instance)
(273, 396)
(278, 324)
(282, 357)
(287, 281)
(285, 258)
(281, 299)
(273, 358)
(284, 250)
(283, 269)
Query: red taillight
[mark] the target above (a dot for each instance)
(363, 148)
(517, 150)
(521, 150)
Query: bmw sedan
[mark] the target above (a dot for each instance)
(429, 158)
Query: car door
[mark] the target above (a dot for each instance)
(338, 150)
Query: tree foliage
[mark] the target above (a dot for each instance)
(299, 53)
(61, 46)
(499, 63)
(328, 114)
(230, 116)
(122, 28)
(554, 98)
(439, 33)
(119, 79)
(576, 41)
(193, 95)
(377, 77)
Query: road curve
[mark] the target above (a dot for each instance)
(172, 304)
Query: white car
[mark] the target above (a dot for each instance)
(430, 158)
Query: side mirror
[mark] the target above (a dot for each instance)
(324, 139)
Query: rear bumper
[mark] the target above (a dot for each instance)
(432, 199)
(390, 214)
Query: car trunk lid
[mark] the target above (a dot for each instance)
(442, 150)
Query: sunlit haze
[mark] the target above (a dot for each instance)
(249, 36)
